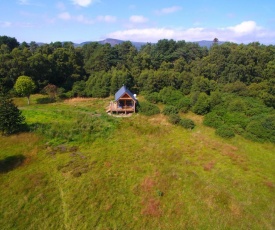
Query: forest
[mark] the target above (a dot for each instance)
(233, 85)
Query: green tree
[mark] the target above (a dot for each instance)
(24, 85)
(11, 119)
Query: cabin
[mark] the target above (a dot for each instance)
(125, 102)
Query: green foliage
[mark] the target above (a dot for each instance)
(78, 89)
(170, 96)
(170, 109)
(152, 97)
(225, 132)
(262, 128)
(24, 86)
(184, 104)
(202, 105)
(9, 41)
(213, 120)
(187, 123)
(147, 108)
(236, 87)
(11, 119)
(215, 99)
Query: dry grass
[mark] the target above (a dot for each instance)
(80, 99)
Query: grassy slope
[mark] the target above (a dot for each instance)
(145, 174)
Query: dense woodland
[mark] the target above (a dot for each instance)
(237, 77)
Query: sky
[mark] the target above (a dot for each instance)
(240, 21)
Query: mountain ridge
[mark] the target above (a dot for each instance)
(138, 45)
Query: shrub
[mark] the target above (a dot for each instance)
(225, 132)
(170, 96)
(202, 105)
(152, 97)
(170, 109)
(174, 119)
(263, 128)
(11, 119)
(187, 123)
(148, 108)
(237, 105)
(184, 104)
(213, 120)
(215, 99)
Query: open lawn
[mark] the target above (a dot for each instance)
(82, 169)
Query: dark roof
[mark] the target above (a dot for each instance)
(122, 91)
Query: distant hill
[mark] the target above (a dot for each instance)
(114, 42)
(207, 44)
(138, 45)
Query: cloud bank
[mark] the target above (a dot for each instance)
(245, 32)
(83, 3)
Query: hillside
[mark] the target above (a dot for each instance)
(82, 169)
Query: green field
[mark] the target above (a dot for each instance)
(79, 168)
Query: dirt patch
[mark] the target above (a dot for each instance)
(147, 184)
(209, 166)
(151, 207)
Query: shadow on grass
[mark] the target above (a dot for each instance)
(11, 163)
(45, 100)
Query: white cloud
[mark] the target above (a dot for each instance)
(65, 16)
(245, 27)
(138, 19)
(23, 2)
(168, 10)
(106, 18)
(82, 19)
(83, 3)
(244, 32)
(5, 24)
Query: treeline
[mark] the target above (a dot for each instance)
(97, 70)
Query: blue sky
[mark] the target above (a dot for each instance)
(240, 21)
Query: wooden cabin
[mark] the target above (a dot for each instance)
(125, 102)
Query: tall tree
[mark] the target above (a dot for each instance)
(11, 118)
(24, 85)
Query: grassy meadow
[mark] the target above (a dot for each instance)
(80, 168)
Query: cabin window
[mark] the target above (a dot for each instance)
(129, 103)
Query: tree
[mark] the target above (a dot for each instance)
(24, 85)
(51, 90)
(9, 41)
(11, 119)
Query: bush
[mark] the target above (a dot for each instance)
(262, 128)
(170, 96)
(11, 119)
(170, 109)
(213, 120)
(202, 105)
(237, 105)
(174, 119)
(187, 123)
(184, 104)
(148, 108)
(152, 97)
(225, 132)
